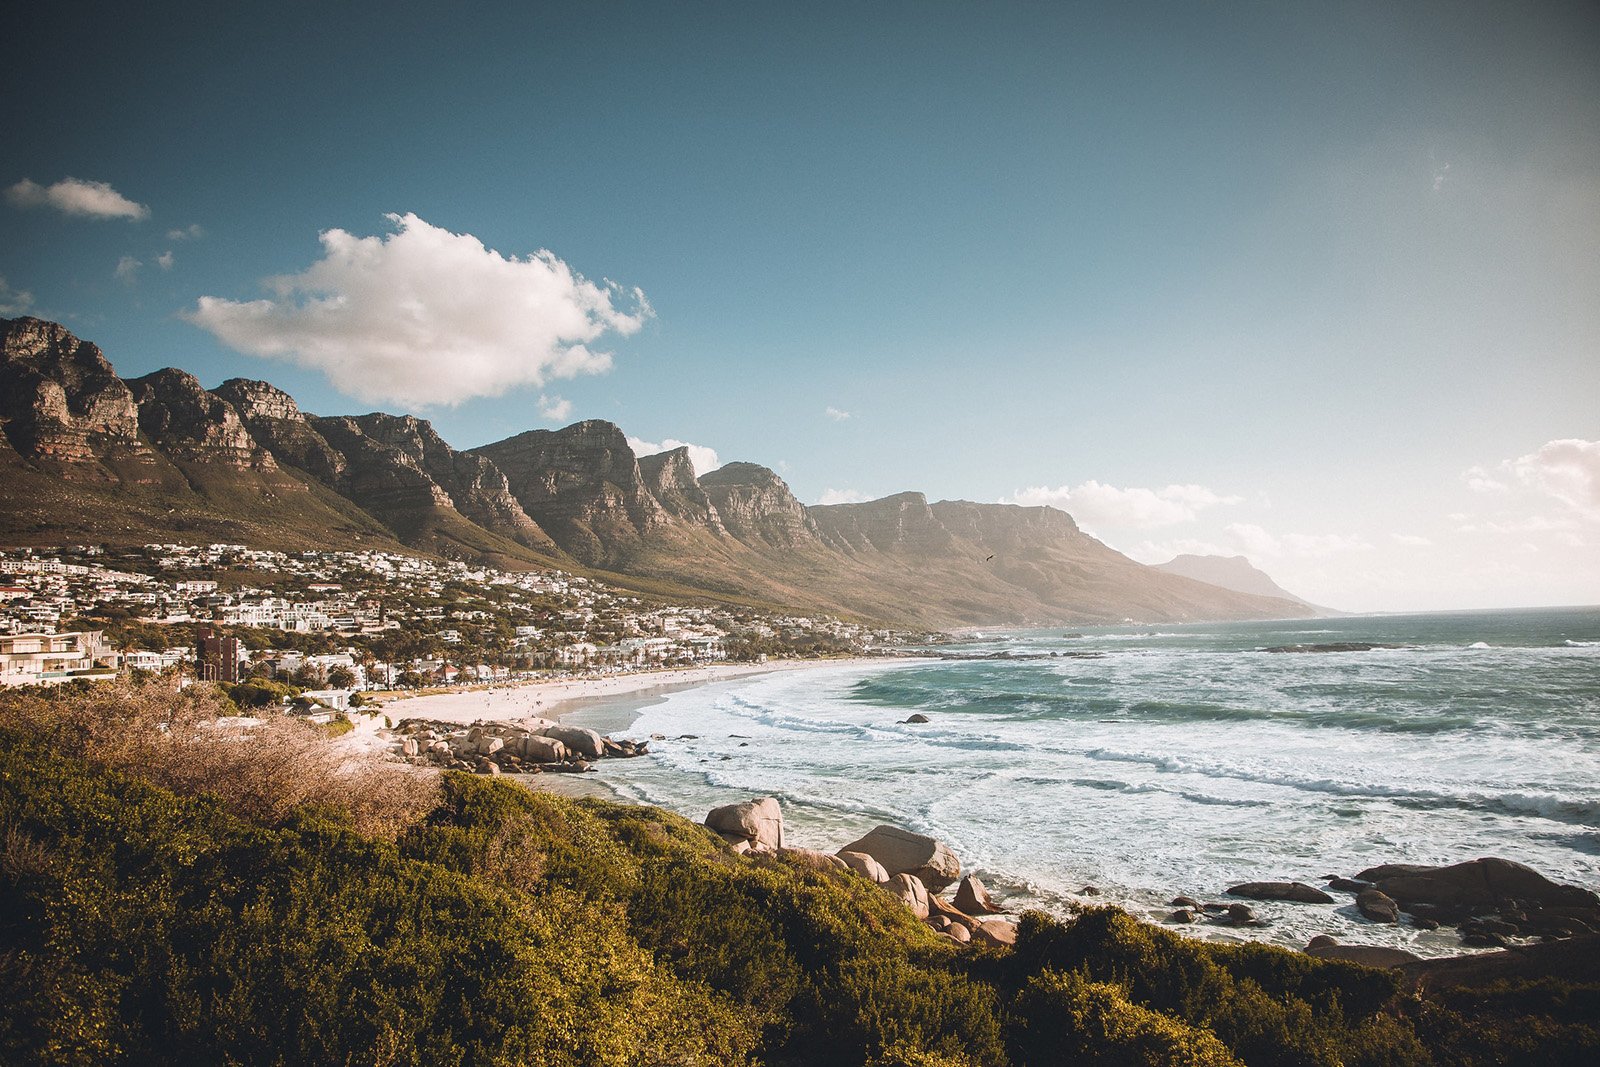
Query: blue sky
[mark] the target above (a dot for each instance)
(1314, 283)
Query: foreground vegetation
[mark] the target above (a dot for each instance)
(174, 893)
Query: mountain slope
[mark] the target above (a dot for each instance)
(87, 456)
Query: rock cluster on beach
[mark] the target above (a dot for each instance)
(1492, 902)
(539, 746)
(914, 868)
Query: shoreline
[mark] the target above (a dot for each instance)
(606, 697)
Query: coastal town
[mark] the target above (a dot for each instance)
(335, 624)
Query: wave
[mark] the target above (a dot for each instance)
(1570, 643)
(1584, 811)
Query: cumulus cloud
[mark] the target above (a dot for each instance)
(191, 232)
(1568, 469)
(554, 408)
(842, 496)
(835, 414)
(702, 458)
(423, 316)
(1256, 541)
(14, 301)
(1095, 505)
(166, 259)
(74, 196)
(127, 270)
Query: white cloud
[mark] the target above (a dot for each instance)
(1411, 540)
(554, 408)
(835, 414)
(1568, 469)
(127, 270)
(1481, 481)
(1255, 541)
(702, 458)
(14, 301)
(166, 259)
(842, 496)
(74, 196)
(1095, 505)
(424, 316)
(191, 232)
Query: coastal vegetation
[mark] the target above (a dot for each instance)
(172, 891)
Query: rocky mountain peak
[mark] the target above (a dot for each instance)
(581, 484)
(259, 400)
(179, 416)
(62, 403)
(757, 507)
(899, 523)
(669, 476)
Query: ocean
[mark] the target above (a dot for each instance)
(1129, 764)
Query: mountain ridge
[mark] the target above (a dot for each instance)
(89, 456)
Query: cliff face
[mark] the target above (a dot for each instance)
(582, 484)
(669, 477)
(757, 508)
(178, 416)
(86, 456)
(476, 487)
(65, 409)
(276, 421)
(900, 523)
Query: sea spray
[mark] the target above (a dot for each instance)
(1180, 760)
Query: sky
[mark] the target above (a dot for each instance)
(1315, 284)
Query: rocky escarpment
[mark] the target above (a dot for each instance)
(757, 507)
(276, 421)
(187, 423)
(178, 459)
(475, 486)
(583, 485)
(900, 523)
(65, 409)
(670, 478)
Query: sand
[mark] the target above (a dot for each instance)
(606, 703)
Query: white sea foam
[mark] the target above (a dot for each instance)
(1175, 768)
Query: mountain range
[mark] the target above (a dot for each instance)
(88, 457)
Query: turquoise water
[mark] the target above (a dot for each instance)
(1147, 762)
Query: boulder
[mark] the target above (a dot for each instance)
(816, 859)
(1376, 906)
(489, 744)
(408, 747)
(903, 852)
(914, 719)
(1475, 883)
(909, 889)
(959, 932)
(1367, 955)
(1298, 892)
(759, 822)
(973, 898)
(543, 749)
(580, 739)
(1184, 902)
(1242, 915)
(1183, 916)
(937, 906)
(1322, 941)
(865, 866)
(1348, 885)
(996, 932)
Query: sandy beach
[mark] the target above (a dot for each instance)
(555, 698)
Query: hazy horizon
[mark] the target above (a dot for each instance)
(1315, 287)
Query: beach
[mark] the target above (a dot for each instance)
(605, 703)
